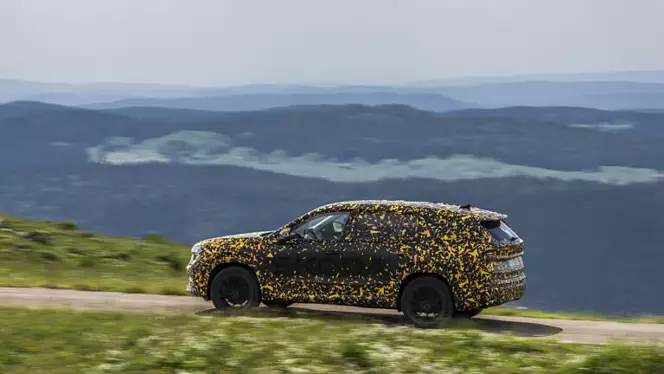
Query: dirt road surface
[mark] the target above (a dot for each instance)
(587, 332)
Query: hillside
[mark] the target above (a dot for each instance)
(329, 133)
(586, 201)
(648, 123)
(48, 254)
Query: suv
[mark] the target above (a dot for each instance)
(432, 261)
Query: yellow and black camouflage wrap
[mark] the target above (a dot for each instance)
(447, 241)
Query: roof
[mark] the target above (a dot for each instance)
(478, 213)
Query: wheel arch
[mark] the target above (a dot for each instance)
(412, 277)
(222, 266)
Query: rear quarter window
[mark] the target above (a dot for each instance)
(500, 231)
(385, 226)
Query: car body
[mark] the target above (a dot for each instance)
(364, 253)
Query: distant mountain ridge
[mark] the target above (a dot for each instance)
(249, 102)
(612, 90)
(601, 95)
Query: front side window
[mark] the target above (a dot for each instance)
(385, 226)
(323, 227)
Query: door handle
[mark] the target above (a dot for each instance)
(331, 252)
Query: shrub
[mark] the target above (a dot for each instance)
(355, 354)
(5, 224)
(68, 225)
(50, 256)
(88, 262)
(121, 256)
(156, 239)
(172, 260)
(39, 237)
(76, 251)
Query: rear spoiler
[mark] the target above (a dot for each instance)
(483, 214)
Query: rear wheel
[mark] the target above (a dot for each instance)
(277, 304)
(427, 302)
(468, 313)
(235, 287)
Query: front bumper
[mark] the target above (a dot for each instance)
(191, 290)
(193, 287)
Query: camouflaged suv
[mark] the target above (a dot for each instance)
(431, 261)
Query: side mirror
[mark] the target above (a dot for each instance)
(285, 234)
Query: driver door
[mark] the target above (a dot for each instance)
(309, 262)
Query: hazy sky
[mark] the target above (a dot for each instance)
(222, 42)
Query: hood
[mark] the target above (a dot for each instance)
(244, 235)
(228, 238)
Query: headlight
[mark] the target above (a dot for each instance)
(196, 249)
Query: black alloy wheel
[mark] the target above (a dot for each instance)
(235, 287)
(427, 302)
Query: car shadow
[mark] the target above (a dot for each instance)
(390, 317)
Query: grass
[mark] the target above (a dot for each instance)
(58, 255)
(512, 312)
(65, 341)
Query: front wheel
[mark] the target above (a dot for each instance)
(235, 287)
(427, 302)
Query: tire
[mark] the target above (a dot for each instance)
(277, 304)
(428, 295)
(235, 287)
(468, 313)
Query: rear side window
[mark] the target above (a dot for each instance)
(500, 231)
(384, 226)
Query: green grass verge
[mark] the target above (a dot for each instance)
(65, 341)
(58, 255)
(511, 312)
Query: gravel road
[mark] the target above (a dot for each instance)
(587, 332)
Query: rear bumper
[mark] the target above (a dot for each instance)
(506, 281)
(506, 289)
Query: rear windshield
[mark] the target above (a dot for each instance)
(500, 231)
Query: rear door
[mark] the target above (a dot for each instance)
(377, 253)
